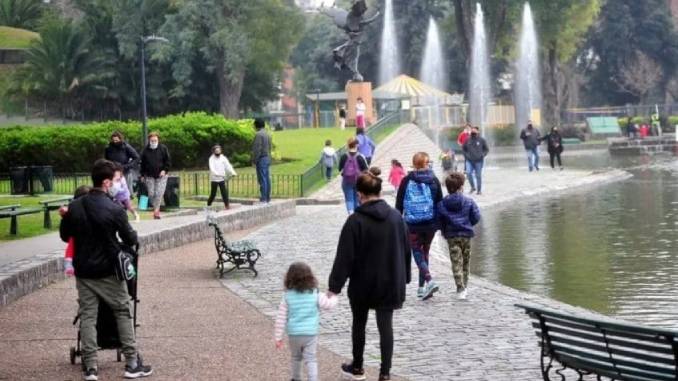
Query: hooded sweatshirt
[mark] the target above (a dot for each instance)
(374, 253)
(458, 214)
(329, 157)
(427, 177)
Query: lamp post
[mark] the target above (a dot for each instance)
(144, 41)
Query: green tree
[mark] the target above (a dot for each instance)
(237, 39)
(23, 14)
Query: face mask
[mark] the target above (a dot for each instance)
(154, 145)
(474, 134)
(117, 144)
(114, 189)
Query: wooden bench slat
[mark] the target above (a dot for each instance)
(625, 366)
(610, 371)
(6, 207)
(600, 347)
(19, 212)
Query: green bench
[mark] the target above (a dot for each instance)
(571, 141)
(49, 205)
(618, 351)
(12, 212)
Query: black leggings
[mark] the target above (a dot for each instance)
(554, 155)
(213, 192)
(385, 325)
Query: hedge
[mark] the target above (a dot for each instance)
(74, 148)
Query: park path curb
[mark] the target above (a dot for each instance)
(28, 275)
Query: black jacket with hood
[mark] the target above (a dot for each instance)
(123, 154)
(429, 178)
(154, 161)
(475, 148)
(374, 252)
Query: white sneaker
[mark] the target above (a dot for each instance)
(431, 288)
(420, 292)
(137, 218)
(462, 294)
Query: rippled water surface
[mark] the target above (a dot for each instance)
(611, 249)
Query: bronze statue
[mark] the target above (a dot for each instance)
(347, 55)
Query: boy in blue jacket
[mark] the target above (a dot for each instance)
(458, 214)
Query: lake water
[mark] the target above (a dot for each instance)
(611, 249)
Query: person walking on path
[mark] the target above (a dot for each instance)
(220, 171)
(458, 214)
(329, 159)
(261, 158)
(418, 195)
(299, 315)
(464, 135)
(397, 174)
(351, 165)
(119, 151)
(554, 144)
(475, 149)
(155, 163)
(374, 253)
(531, 139)
(342, 117)
(360, 110)
(448, 161)
(365, 145)
(95, 222)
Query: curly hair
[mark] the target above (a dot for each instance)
(299, 277)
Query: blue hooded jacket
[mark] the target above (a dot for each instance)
(458, 214)
(427, 177)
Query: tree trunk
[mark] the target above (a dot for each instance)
(230, 90)
(551, 101)
(462, 28)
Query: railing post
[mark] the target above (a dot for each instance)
(195, 180)
(301, 185)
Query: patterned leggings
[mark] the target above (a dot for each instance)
(421, 245)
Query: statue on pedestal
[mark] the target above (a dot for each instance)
(353, 22)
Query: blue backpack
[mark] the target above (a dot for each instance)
(418, 203)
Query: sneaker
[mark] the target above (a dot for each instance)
(91, 375)
(354, 373)
(479, 193)
(420, 292)
(137, 218)
(140, 371)
(384, 377)
(472, 190)
(431, 288)
(462, 294)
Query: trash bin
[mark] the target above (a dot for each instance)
(171, 195)
(20, 177)
(42, 178)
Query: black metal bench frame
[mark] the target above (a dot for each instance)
(57, 203)
(13, 213)
(616, 351)
(242, 255)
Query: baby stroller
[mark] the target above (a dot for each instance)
(107, 328)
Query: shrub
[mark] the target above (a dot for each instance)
(74, 148)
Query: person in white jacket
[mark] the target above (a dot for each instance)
(329, 159)
(220, 171)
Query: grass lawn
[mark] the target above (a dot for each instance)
(13, 38)
(300, 149)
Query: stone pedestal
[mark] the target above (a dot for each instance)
(355, 90)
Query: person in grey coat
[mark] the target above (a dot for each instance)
(261, 158)
(475, 149)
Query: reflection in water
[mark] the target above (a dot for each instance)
(611, 249)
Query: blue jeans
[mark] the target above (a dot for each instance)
(350, 196)
(264, 178)
(532, 158)
(328, 173)
(475, 169)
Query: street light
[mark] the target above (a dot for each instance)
(144, 41)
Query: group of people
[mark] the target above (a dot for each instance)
(532, 139)
(360, 115)
(636, 130)
(374, 254)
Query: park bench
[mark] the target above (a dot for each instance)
(242, 255)
(616, 351)
(12, 212)
(49, 205)
(571, 141)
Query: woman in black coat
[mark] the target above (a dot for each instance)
(374, 252)
(555, 146)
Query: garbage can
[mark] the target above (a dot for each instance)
(42, 178)
(171, 195)
(20, 177)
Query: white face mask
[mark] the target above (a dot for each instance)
(115, 188)
(153, 145)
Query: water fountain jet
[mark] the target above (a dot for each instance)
(480, 88)
(389, 58)
(527, 81)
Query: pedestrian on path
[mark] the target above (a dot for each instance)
(119, 151)
(221, 171)
(531, 140)
(365, 145)
(261, 158)
(155, 163)
(120, 192)
(555, 147)
(397, 174)
(475, 149)
(95, 222)
(458, 214)
(69, 271)
(464, 135)
(342, 117)
(299, 315)
(329, 159)
(351, 165)
(374, 253)
(418, 195)
(360, 110)
(448, 161)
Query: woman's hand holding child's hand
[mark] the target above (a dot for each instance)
(278, 344)
(69, 271)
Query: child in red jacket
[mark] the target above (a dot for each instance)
(397, 174)
(70, 246)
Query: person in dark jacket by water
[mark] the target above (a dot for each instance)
(555, 147)
(95, 222)
(458, 214)
(418, 195)
(374, 253)
(531, 140)
(119, 151)
(155, 162)
(475, 149)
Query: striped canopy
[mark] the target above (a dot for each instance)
(407, 86)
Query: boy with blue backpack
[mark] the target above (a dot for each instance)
(418, 195)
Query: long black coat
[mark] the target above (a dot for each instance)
(374, 252)
(554, 143)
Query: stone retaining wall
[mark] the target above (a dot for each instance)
(25, 276)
